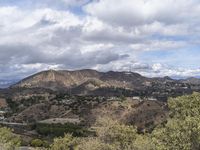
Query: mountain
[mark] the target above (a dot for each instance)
(89, 94)
(69, 79)
(192, 80)
(6, 83)
(92, 82)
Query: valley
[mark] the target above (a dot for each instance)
(51, 103)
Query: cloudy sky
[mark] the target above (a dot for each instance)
(152, 37)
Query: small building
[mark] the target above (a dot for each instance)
(151, 99)
(136, 98)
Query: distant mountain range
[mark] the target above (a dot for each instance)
(7, 83)
(92, 82)
(191, 80)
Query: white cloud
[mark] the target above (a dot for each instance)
(150, 70)
(75, 2)
(153, 45)
(149, 17)
(111, 35)
(137, 12)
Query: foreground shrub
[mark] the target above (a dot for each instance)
(39, 143)
(114, 133)
(143, 142)
(93, 144)
(8, 140)
(182, 131)
(185, 106)
(56, 130)
(65, 143)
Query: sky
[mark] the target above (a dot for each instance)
(151, 37)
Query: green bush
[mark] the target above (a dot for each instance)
(182, 131)
(39, 143)
(61, 129)
(65, 143)
(8, 140)
(116, 134)
(93, 144)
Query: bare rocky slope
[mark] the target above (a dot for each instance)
(91, 82)
(68, 79)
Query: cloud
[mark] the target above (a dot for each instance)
(153, 45)
(150, 70)
(55, 4)
(100, 34)
(48, 38)
(139, 12)
(147, 18)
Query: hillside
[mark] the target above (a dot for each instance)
(68, 79)
(142, 113)
(191, 80)
(92, 82)
(43, 104)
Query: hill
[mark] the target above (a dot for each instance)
(82, 96)
(68, 79)
(92, 82)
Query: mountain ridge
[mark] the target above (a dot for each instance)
(50, 76)
(111, 83)
(70, 78)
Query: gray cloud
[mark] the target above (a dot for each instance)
(138, 12)
(150, 70)
(109, 36)
(29, 4)
(25, 54)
